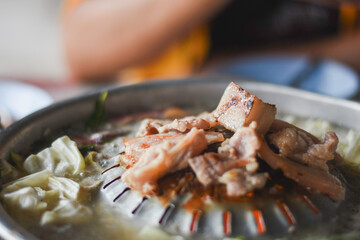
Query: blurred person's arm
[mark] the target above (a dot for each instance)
(103, 36)
(345, 49)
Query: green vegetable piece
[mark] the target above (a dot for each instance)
(235, 238)
(17, 159)
(85, 149)
(240, 238)
(1, 125)
(98, 116)
(89, 159)
(8, 172)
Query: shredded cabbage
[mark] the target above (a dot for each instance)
(316, 127)
(63, 158)
(349, 147)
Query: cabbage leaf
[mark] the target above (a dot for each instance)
(68, 188)
(349, 148)
(26, 199)
(67, 211)
(63, 158)
(54, 199)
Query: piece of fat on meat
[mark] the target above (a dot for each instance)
(238, 108)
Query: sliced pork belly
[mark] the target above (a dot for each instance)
(214, 137)
(165, 158)
(185, 124)
(155, 126)
(238, 152)
(298, 146)
(150, 126)
(208, 167)
(209, 117)
(242, 145)
(238, 108)
(136, 146)
(279, 125)
(302, 157)
(239, 181)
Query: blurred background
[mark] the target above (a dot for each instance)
(51, 50)
(30, 40)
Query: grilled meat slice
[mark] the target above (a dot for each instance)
(303, 158)
(151, 126)
(298, 146)
(238, 108)
(165, 158)
(135, 147)
(240, 182)
(238, 152)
